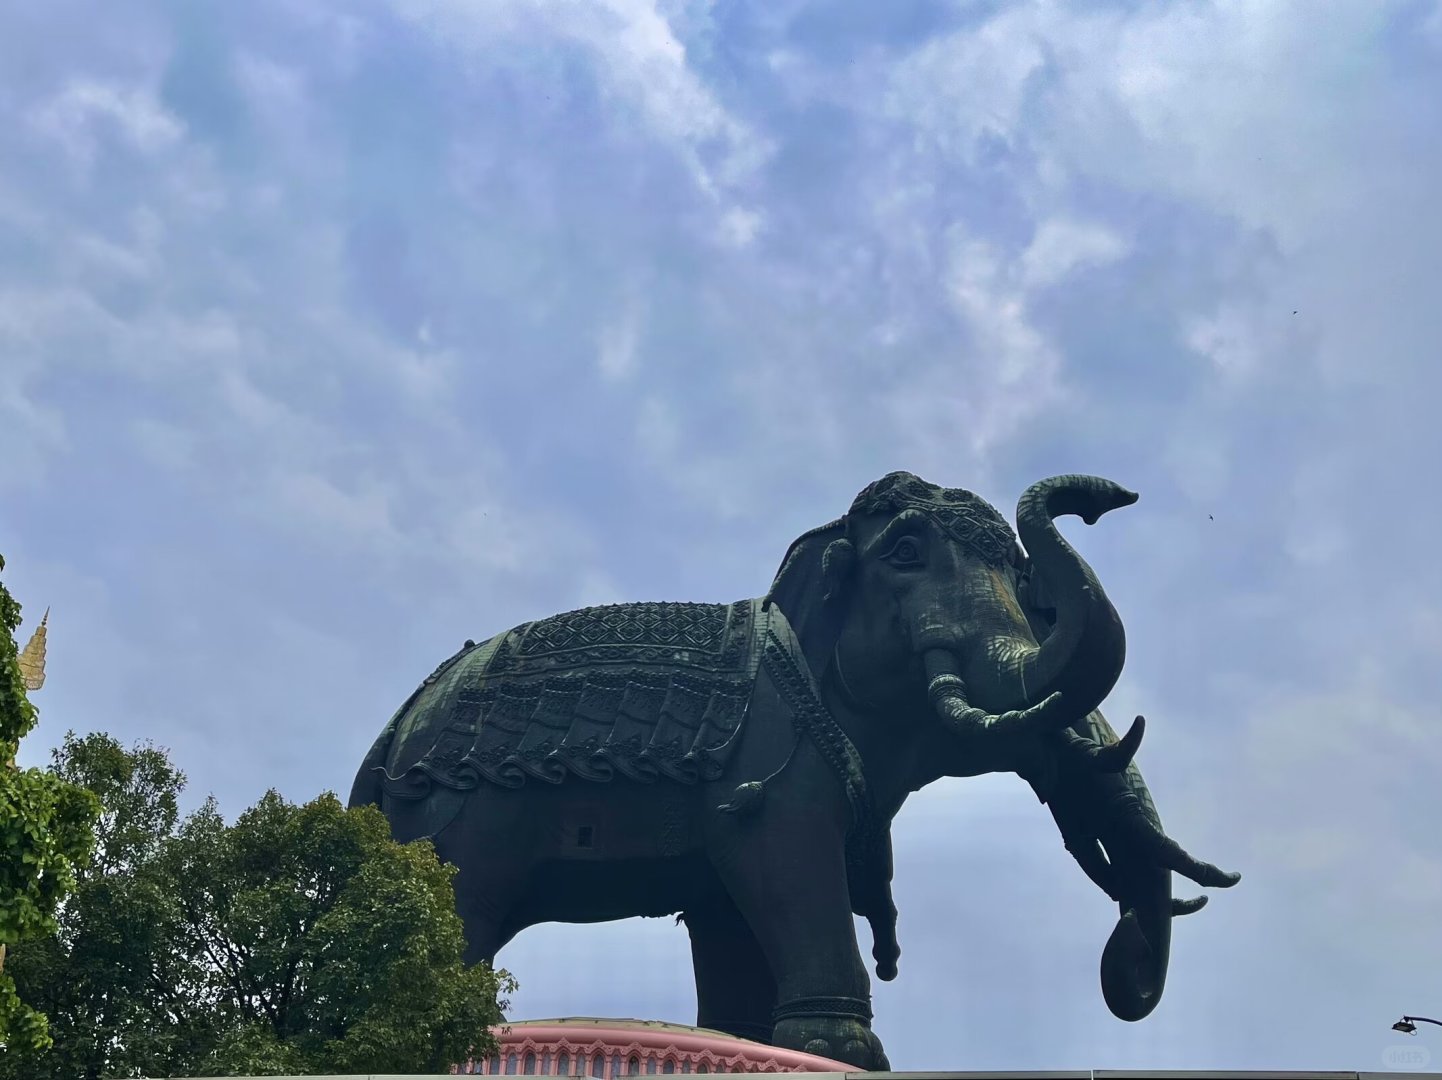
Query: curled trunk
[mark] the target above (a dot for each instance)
(1117, 808)
(1083, 655)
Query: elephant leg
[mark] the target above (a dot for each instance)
(485, 931)
(486, 893)
(735, 991)
(792, 891)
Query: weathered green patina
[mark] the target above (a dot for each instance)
(741, 764)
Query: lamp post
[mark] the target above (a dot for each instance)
(1408, 1024)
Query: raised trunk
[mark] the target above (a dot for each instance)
(1083, 656)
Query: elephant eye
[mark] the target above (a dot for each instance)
(906, 551)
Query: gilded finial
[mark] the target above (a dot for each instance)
(32, 659)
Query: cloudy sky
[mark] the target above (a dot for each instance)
(333, 334)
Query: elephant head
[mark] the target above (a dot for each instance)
(918, 613)
(921, 607)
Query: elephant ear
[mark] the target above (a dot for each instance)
(799, 590)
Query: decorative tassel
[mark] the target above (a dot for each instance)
(746, 799)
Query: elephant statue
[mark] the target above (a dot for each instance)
(739, 765)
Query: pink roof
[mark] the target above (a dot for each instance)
(653, 1044)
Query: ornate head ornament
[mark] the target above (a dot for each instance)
(966, 518)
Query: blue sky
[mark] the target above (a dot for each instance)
(333, 334)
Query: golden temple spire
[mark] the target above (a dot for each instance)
(32, 659)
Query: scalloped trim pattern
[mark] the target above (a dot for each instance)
(686, 1051)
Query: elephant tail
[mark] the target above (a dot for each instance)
(366, 789)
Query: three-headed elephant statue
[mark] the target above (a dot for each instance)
(740, 764)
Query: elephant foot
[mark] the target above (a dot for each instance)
(844, 1038)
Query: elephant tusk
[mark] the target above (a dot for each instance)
(1108, 757)
(1188, 907)
(950, 702)
(1089, 857)
(947, 694)
(1167, 852)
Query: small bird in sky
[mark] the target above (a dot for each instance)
(1210, 518)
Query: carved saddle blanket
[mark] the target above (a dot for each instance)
(642, 691)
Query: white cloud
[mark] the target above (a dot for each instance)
(596, 589)
(1216, 103)
(277, 92)
(362, 517)
(484, 534)
(720, 484)
(29, 434)
(1312, 533)
(617, 355)
(1338, 825)
(109, 259)
(1432, 25)
(639, 60)
(739, 227)
(78, 114)
(1007, 373)
(1199, 458)
(961, 89)
(1227, 339)
(1062, 246)
(171, 447)
(658, 429)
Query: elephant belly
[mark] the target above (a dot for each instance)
(588, 892)
(578, 852)
(584, 824)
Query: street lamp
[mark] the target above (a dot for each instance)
(1408, 1024)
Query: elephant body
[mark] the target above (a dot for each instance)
(740, 764)
(602, 742)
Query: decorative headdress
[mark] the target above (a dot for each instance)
(969, 519)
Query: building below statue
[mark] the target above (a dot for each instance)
(606, 1049)
(603, 1049)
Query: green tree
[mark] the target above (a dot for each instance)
(327, 946)
(45, 834)
(109, 978)
(301, 939)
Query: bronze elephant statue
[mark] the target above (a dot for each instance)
(739, 765)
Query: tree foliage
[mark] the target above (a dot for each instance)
(300, 939)
(45, 834)
(108, 978)
(327, 946)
